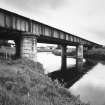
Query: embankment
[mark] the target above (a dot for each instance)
(22, 82)
(71, 54)
(96, 54)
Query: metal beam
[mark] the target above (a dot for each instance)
(14, 22)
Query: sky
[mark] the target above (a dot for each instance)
(83, 18)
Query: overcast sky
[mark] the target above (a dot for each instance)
(84, 18)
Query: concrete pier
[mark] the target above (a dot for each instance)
(63, 57)
(29, 47)
(26, 46)
(17, 47)
(79, 58)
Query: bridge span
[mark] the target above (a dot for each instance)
(27, 32)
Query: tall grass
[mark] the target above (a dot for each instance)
(23, 83)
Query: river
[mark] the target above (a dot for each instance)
(51, 62)
(91, 87)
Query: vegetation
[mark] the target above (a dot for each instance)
(95, 53)
(22, 82)
(69, 53)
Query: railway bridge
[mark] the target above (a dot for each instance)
(27, 32)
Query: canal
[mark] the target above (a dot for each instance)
(90, 86)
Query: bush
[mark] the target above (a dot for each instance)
(97, 54)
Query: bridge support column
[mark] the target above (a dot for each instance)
(85, 49)
(27, 47)
(17, 46)
(79, 58)
(63, 57)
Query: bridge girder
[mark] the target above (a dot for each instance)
(13, 25)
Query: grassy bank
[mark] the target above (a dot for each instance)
(22, 82)
(96, 54)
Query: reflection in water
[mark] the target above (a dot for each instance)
(91, 87)
(69, 76)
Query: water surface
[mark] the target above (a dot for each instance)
(52, 62)
(91, 87)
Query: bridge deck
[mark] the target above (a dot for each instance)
(12, 25)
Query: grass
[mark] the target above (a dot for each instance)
(22, 82)
(96, 53)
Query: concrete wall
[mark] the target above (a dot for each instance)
(29, 47)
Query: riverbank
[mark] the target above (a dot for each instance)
(22, 82)
(44, 50)
(96, 54)
(71, 54)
